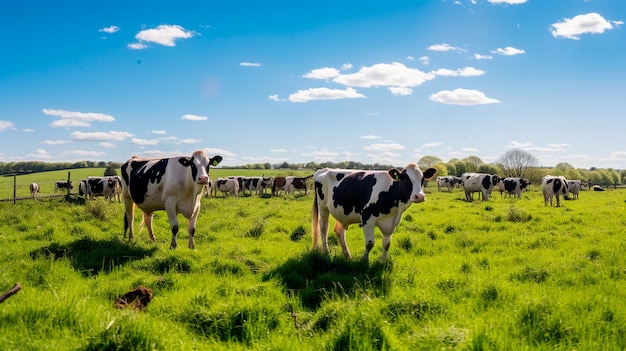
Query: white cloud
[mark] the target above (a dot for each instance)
(462, 97)
(55, 142)
(444, 47)
(530, 147)
(194, 118)
(461, 72)
(100, 136)
(324, 94)
(333, 156)
(110, 30)
(508, 51)
(164, 34)
(84, 153)
(400, 90)
(40, 154)
(107, 145)
(250, 64)
(190, 141)
(161, 132)
(393, 74)
(143, 142)
(137, 46)
(6, 125)
(278, 150)
(425, 60)
(323, 73)
(76, 119)
(346, 66)
(510, 2)
(571, 28)
(482, 57)
(274, 97)
(28, 130)
(370, 137)
(433, 144)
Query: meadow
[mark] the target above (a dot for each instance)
(507, 274)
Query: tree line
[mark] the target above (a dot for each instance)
(25, 167)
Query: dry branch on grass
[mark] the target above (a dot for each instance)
(10, 292)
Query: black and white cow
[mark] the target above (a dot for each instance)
(512, 186)
(226, 186)
(172, 184)
(293, 183)
(478, 183)
(256, 184)
(278, 184)
(370, 198)
(448, 182)
(552, 186)
(573, 187)
(109, 187)
(62, 184)
(34, 189)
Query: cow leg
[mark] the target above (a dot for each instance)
(341, 234)
(368, 233)
(129, 217)
(191, 226)
(386, 244)
(147, 219)
(323, 227)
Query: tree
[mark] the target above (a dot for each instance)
(516, 162)
(110, 171)
(428, 161)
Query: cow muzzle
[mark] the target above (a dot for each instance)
(418, 198)
(203, 180)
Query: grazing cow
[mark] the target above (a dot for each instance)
(62, 184)
(478, 182)
(553, 186)
(113, 188)
(597, 188)
(513, 186)
(447, 182)
(296, 183)
(279, 184)
(258, 184)
(371, 198)
(226, 186)
(172, 184)
(34, 189)
(573, 187)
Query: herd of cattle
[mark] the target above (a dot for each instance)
(368, 198)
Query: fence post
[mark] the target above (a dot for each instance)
(69, 184)
(14, 188)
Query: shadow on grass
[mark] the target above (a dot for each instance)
(314, 276)
(91, 257)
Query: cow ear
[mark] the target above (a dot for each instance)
(186, 161)
(215, 161)
(394, 173)
(429, 173)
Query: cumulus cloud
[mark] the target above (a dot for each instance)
(164, 34)
(189, 117)
(572, 28)
(444, 47)
(107, 145)
(461, 72)
(393, 74)
(324, 94)
(370, 137)
(100, 136)
(137, 46)
(462, 97)
(482, 57)
(530, 147)
(433, 144)
(39, 154)
(400, 90)
(55, 142)
(274, 97)
(143, 142)
(84, 153)
(110, 30)
(76, 119)
(324, 73)
(158, 132)
(508, 51)
(250, 64)
(384, 147)
(6, 125)
(425, 60)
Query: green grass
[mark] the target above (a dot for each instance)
(508, 274)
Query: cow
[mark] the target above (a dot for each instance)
(478, 182)
(172, 184)
(296, 183)
(279, 184)
(573, 187)
(113, 188)
(226, 186)
(62, 184)
(258, 184)
(447, 182)
(512, 186)
(552, 186)
(370, 198)
(83, 188)
(34, 189)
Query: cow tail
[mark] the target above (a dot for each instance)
(315, 223)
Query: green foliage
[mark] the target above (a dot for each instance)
(506, 274)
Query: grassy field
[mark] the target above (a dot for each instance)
(508, 274)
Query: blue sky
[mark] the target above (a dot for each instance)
(295, 81)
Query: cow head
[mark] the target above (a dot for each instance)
(200, 164)
(411, 173)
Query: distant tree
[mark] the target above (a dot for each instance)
(516, 162)
(461, 168)
(451, 169)
(110, 171)
(473, 160)
(489, 169)
(428, 161)
(441, 168)
(284, 165)
(268, 165)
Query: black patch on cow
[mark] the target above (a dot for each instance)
(486, 182)
(95, 186)
(340, 176)
(509, 185)
(318, 190)
(556, 187)
(140, 177)
(188, 162)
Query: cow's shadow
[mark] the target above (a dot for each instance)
(91, 257)
(314, 276)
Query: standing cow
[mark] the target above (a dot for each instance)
(293, 183)
(226, 186)
(478, 182)
(447, 182)
(172, 184)
(34, 189)
(553, 186)
(371, 198)
(512, 186)
(573, 187)
(62, 185)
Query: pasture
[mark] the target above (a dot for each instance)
(507, 274)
